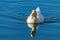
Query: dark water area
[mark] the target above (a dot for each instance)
(12, 28)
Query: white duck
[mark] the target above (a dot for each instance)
(34, 19)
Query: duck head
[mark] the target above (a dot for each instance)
(33, 14)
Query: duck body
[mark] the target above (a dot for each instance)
(38, 19)
(31, 22)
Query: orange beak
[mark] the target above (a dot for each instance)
(33, 15)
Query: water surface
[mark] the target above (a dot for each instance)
(11, 28)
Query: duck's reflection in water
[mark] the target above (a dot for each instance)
(34, 28)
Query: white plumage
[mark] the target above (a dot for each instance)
(39, 15)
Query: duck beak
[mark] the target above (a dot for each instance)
(33, 14)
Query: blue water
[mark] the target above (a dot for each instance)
(11, 27)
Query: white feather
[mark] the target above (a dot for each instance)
(39, 15)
